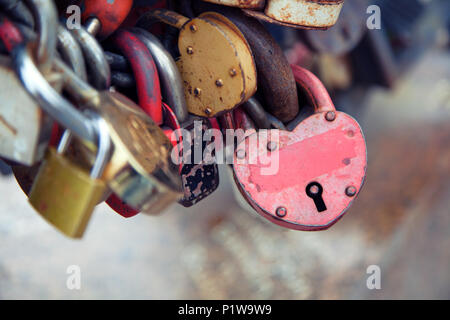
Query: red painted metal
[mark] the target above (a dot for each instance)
(9, 34)
(327, 148)
(144, 71)
(111, 13)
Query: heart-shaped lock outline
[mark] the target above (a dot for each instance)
(326, 127)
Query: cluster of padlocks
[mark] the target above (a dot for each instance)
(116, 109)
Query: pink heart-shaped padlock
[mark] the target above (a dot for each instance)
(304, 179)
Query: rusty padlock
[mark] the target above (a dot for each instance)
(110, 14)
(275, 79)
(315, 171)
(211, 88)
(309, 14)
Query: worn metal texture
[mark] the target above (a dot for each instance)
(306, 11)
(216, 250)
(314, 191)
(244, 4)
(212, 89)
(24, 127)
(144, 71)
(315, 14)
(275, 78)
(110, 13)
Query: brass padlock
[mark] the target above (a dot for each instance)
(64, 193)
(141, 172)
(24, 127)
(216, 62)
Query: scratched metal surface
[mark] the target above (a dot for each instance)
(401, 222)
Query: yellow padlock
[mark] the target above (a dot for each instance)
(216, 62)
(64, 193)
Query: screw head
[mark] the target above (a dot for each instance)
(190, 50)
(193, 28)
(330, 116)
(281, 212)
(272, 146)
(240, 154)
(197, 92)
(350, 191)
(219, 83)
(233, 72)
(208, 111)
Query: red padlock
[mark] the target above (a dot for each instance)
(305, 179)
(110, 13)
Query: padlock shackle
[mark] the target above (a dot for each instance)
(144, 71)
(314, 89)
(9, 34)
(95, 57)
(169, 75)
(48, 98)
(46, 20)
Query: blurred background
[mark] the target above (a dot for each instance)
(396, 82)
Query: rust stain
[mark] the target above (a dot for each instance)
(8, 125)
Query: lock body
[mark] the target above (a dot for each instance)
(199, 174)
(213, 88)
(65, 195)
(24, 128)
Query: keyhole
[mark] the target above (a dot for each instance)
(314, 190)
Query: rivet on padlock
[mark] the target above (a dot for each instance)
(64, 193)
(211, 88)
(317, 169)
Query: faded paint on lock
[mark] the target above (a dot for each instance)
(216, 65)
(308, 13)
